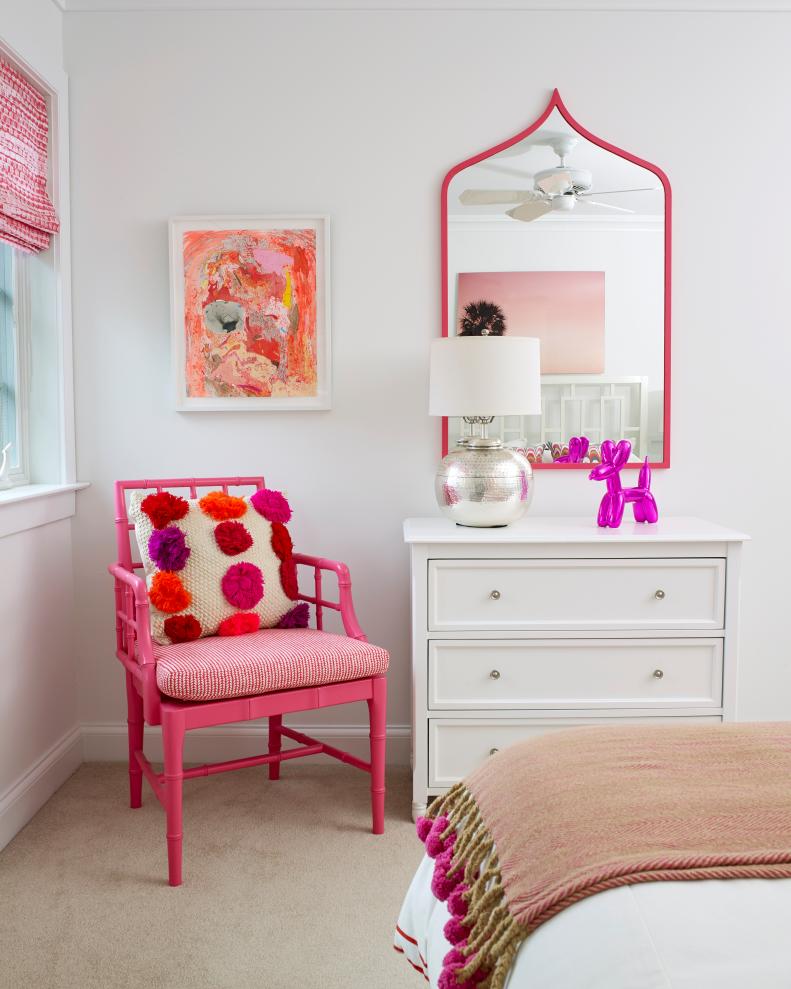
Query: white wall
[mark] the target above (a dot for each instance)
(39, 735)
(630, 255)
(360, 115)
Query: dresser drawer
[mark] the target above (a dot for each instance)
(563, 673)
(456, 746)
(471, 595)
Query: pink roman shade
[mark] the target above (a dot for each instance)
(27, 217)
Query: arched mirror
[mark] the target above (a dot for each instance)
(559, 235)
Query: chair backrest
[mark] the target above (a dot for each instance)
(124, 528)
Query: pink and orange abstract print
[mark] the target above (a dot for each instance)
(250, 313)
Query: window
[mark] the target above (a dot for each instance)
(13, 352)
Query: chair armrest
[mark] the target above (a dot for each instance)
(345, 604)
(131, 618)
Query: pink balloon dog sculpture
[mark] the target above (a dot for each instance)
(613, 458)
(578, 449)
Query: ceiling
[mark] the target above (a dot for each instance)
(510, 170)
(635, 6)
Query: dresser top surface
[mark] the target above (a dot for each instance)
(555, 529)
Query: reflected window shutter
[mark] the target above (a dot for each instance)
(27, 217)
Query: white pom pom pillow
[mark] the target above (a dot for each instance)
(218, 565)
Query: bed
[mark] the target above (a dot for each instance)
(715, 934)
(566, 862)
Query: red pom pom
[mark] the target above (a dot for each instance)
(281, 541)
(288, 578)
(182, 628)
(239, 624)
(163, 508)
(232, 538)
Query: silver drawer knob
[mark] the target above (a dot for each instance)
(493, 751)
(658, 674)
(495, 674)
(495, 595)
(659, 594)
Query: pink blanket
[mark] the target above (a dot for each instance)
(550, 821)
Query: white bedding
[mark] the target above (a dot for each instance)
(716, 934)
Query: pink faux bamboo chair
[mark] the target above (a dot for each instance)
(148, 705)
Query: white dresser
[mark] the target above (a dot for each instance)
(554, 622)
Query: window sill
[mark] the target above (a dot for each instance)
(30, 505)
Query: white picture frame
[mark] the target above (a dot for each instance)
(182, 336)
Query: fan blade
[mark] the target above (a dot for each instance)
(487, 197)
(559, 182)
(530, 211)
(617, 192)
(621, 209)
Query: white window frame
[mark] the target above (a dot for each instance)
(19, 473)
(47, 493)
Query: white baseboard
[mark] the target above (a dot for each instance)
(107, 741)
(35, 786)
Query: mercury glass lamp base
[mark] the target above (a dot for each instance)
(484, 486)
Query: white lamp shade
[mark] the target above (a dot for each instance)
(485, 376)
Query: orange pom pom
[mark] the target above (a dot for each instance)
(167, 593)
(220, 506)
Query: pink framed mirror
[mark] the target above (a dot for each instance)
(558, 234)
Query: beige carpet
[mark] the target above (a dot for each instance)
(284, 886)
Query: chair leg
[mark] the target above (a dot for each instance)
(275, 722)
(134, 724)
(173, 745)
(377, 709)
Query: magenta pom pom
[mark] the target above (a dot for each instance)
(442, 885)
(272, 505)
(454, 959)
(423, 825)
(168, 549)
(296, 618)
(453, 962)
(447, 979)
(457, 905)
(434, 844)
(455, 931)
(243, 585)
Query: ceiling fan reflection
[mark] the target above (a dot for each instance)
(557, 189)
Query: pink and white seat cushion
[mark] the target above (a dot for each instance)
(272, 659)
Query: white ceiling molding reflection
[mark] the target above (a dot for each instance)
(633, 6)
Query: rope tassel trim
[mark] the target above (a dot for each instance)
(484, 934)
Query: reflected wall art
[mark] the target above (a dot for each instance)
(250, 313)
(564, 309)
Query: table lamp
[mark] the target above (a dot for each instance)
(483, 483)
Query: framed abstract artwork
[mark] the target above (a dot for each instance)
(250, 313)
